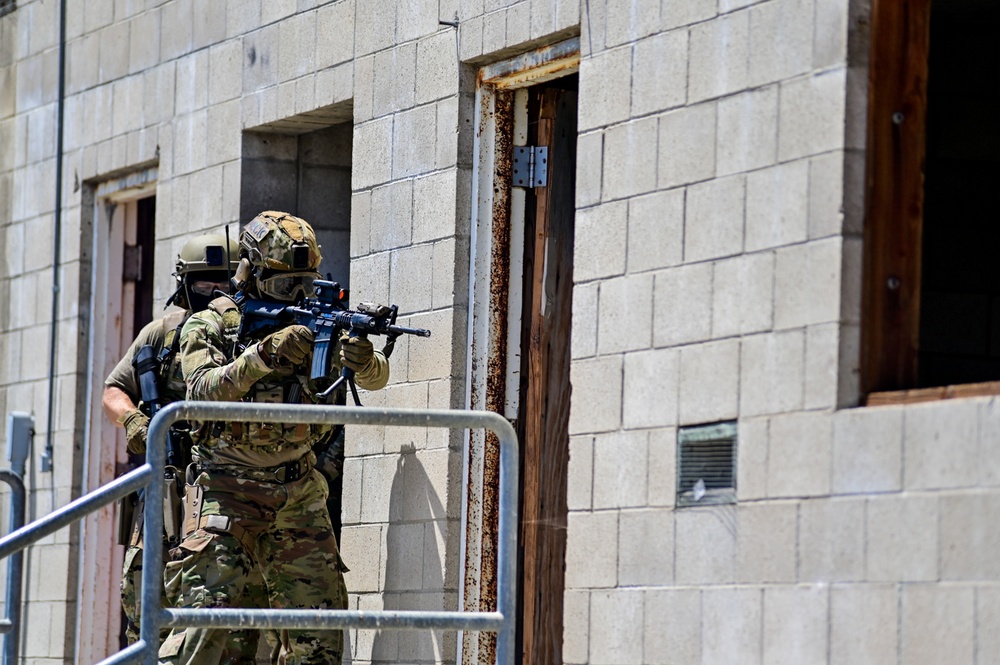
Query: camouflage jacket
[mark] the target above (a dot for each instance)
(214, 370)
(159, 334)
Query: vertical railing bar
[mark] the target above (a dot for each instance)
(12, 637)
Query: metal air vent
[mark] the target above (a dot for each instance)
(706, 464)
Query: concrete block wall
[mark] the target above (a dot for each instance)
(719, 214)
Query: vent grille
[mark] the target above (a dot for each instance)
(706, 465)
(7, 6)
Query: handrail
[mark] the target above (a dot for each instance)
(155, 616)
(11, 625)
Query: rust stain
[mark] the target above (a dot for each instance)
(532, 73)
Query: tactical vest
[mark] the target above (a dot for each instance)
(276, 388)
(171, 378)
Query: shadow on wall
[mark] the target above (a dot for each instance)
(414, 563)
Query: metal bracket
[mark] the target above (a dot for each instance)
(531, 166)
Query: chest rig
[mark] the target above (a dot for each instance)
(286, 385)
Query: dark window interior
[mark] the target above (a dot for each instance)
(960, 283)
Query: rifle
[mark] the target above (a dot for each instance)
(146, 364)
(326, 315)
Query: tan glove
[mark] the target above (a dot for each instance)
(356, 352)
(291, 344)
(136, 429)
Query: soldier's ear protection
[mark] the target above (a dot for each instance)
(243, 273)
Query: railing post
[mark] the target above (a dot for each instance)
(12, 636)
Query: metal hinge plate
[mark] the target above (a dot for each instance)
(531, 166)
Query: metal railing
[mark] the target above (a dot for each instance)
(155, 616)
(10, 625)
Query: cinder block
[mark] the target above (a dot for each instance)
(799, 454)
(412, 153)
(335, 85)
(390, 215)
(989, 442)
(437, 357)
(191, 88)
(416, 293)
(601, 241)
(863, 624)
(826, 195)
(208, 23)
(629, 153)
(687, 145)
(781, 40)
(627, 22)
(795, 624)
(831, 540)
(822, 372)
(767, 538)
(771, 373)
(624, 319)
(404, 556)
(662, 481)
(940, 445)
(592, 550)
(364, 89)
(714, 220)
(718, 56)
(831, 34)
(379, 474)
(580, 475)
(176, 29)
(371, 275)
(395, 80)
(114, 51)
(937, 624)
(144, 41)
(589, 168)
(576, 627)
(82, 69)
(650, 380)
(372, 153)
(243, 16)
(867, 450)
(807, 283)
(417, 19)
(751, 458)
(970, 534)
(273, 11)
(334, 33)
(672, 627)
(437, 67)
(685, 12)
(659, 72)
(705, 547)
(350, 510)
(778, 201)
(434, 206)
(223, 130)
(748, 131)
(731, 625)
(450, 114)
(447, 255)
(605, 88)
(987, 635)
(365, 569)
(620, 470)
(494, 31)
(518, 28)
(902, 539)
(405, 396)
(812, 115)
(616, 627)
(593, 26)
(470, 38)
(646, 547)
(682, 305)
(733, 5)
(375, 26)
(225, 63)
(709, 383)
(655, 230)
(743, 294)
(361, 224)
(584, 336)
(425, 483)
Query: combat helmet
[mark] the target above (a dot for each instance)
(279, 257)
(203, 266)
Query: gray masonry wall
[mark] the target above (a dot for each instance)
(720, 199)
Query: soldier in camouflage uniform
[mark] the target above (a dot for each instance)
(200, 271)
(257, 499)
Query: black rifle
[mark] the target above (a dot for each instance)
(147, 365)
(326, 315)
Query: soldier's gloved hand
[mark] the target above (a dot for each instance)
(136, 429)
(355, 352)
(291, 344)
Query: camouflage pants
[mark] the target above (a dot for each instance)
(282, 528)
(241, 647)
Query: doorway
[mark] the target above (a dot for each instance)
(520, 322)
